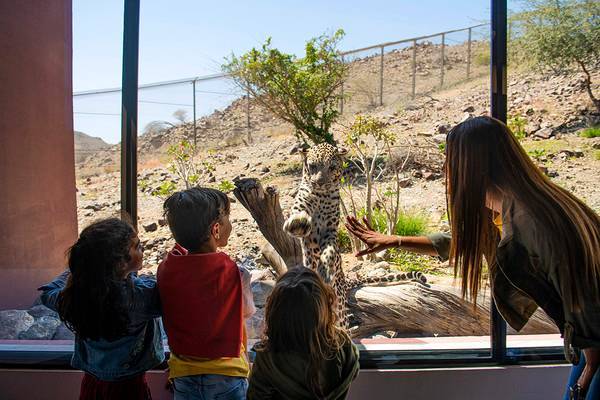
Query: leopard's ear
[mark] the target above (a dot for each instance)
(342, 151)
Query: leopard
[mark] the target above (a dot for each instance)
(315, 218)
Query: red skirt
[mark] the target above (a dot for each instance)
(135, 388)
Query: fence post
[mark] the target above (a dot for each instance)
(248, 115)
(194, 111)
(443, 49)
(414, 68)
(469, 55)
(342, 93)
(381, 79)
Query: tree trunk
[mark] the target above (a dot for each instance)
(263, 205)
(413, 310)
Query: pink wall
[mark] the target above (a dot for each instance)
(494, 383)
(38, 218)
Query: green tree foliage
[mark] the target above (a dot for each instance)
(302, 91)
(560, 34)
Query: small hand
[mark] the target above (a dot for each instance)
(375, 241)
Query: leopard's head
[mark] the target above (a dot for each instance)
(323, 165)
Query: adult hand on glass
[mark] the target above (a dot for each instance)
(374, 241)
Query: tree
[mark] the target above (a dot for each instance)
(301, 91)
(181, 115)
(561, 34)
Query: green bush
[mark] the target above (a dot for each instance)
(516, 124)
(407, 224)
(406, 261)
(590, 132)
(226, 186)
(344, 241)
(166, 189)
(482, 59)
(536, 153)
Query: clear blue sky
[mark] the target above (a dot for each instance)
(185, 38)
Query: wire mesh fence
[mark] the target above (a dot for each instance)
(213, 107)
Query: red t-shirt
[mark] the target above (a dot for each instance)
(201, 296)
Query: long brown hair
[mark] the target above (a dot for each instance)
(93, 303)
(483, 155)
(300, 317)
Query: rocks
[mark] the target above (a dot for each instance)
(63, 333)
(469, 109)
(13, 322)
(152, 227)
(43, 328)
(544, 133)
(443, 128)
(261, 291)
(40, 310)
(405, 182)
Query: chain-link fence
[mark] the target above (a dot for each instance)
(214, 109)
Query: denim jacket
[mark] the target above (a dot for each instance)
(529, 273)
(129, 355)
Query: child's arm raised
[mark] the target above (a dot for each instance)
(51, 291)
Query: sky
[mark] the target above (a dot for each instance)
(185, 38)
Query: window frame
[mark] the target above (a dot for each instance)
(52, 356)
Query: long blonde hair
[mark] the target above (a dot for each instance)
(482, 155)
(300, 317)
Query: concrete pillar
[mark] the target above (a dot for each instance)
(38, 214)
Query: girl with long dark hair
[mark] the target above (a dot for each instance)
(541, 243)
(305, 354)
(113, 313)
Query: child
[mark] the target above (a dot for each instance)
(205, 299)
(112, 312)
(305, 354)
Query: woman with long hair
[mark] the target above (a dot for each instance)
(305, 354)
(541, 243)
(113, 313)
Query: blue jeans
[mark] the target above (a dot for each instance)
(210, 387)
(594, 389)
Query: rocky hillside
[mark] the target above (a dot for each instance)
(86, 145)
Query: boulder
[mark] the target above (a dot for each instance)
(151, 227)
(40, 310)
(13, 322)
(261, 291)
(43, 328)
(63, 333)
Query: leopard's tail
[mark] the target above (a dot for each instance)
(389, 279)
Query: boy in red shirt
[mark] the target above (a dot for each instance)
(205, 298)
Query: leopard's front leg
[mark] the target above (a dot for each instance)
(298, 224)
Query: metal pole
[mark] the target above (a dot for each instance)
(498, 110)
(381, 79)
(414, 69)
(194, 112)
(129, 111)
(248, 115)
(342, 93)
(342, 98)
(443, 50)
(469, 55)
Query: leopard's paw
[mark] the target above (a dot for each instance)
(298, 225)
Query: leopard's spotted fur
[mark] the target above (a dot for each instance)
(315, 218)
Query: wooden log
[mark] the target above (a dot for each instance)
(263, 205)
(414, 310)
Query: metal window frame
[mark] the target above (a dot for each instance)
(497, 354)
